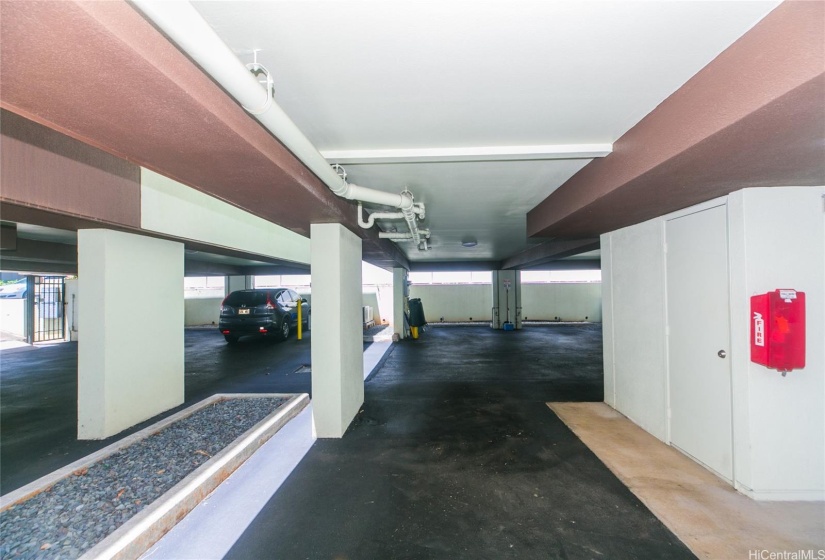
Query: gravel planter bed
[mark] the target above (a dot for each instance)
(75, 513)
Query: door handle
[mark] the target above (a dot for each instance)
(721, 353)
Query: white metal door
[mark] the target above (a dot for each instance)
(698, 320)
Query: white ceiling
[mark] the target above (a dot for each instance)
(372, 75)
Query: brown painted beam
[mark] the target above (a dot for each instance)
(40, 256)
(24, 267)
(8, 236)
(100, 73)
(42, 168)
(548, 252)
(754, 116)
(67, 184)
(383, 254)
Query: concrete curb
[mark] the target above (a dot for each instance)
(138, 534)
(375, 356)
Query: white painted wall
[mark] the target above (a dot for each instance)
(540, 302)
(13, 316)
(130, 359)
(337, 340)
(169, 207)
(201, 311)
(385, 304)
(570, 301)
(455, 302)
(776, 239)
(373, 299)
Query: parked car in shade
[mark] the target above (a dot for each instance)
(15, 290)
(271, 312)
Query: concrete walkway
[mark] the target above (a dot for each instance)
(706, 513)
(456, 455)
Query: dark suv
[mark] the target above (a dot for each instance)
(270, 312)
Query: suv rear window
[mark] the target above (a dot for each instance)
(247, 298)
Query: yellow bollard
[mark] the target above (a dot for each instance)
(414, 332)
(300, 320)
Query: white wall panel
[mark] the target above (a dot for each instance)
(778, 241)
(636, 283)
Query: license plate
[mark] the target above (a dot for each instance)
(243, 311)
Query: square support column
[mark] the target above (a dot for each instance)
(234, 283)
(506, 296)
(130, 359)
(337, 331)
(400, 293)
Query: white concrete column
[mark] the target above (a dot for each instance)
(234, 283)
(400, 293)
(337, 338)
(506, 296)
(130, 358)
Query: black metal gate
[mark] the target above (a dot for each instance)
(48, 309)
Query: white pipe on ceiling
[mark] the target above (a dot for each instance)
(370, 221)
(186, 27)
(402, 235)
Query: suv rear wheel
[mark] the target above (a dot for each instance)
(283, 330)
(231, 338)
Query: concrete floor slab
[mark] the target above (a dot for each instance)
(455, 455)
(707, 514)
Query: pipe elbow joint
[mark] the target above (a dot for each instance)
(369, 222)
(407, 201)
